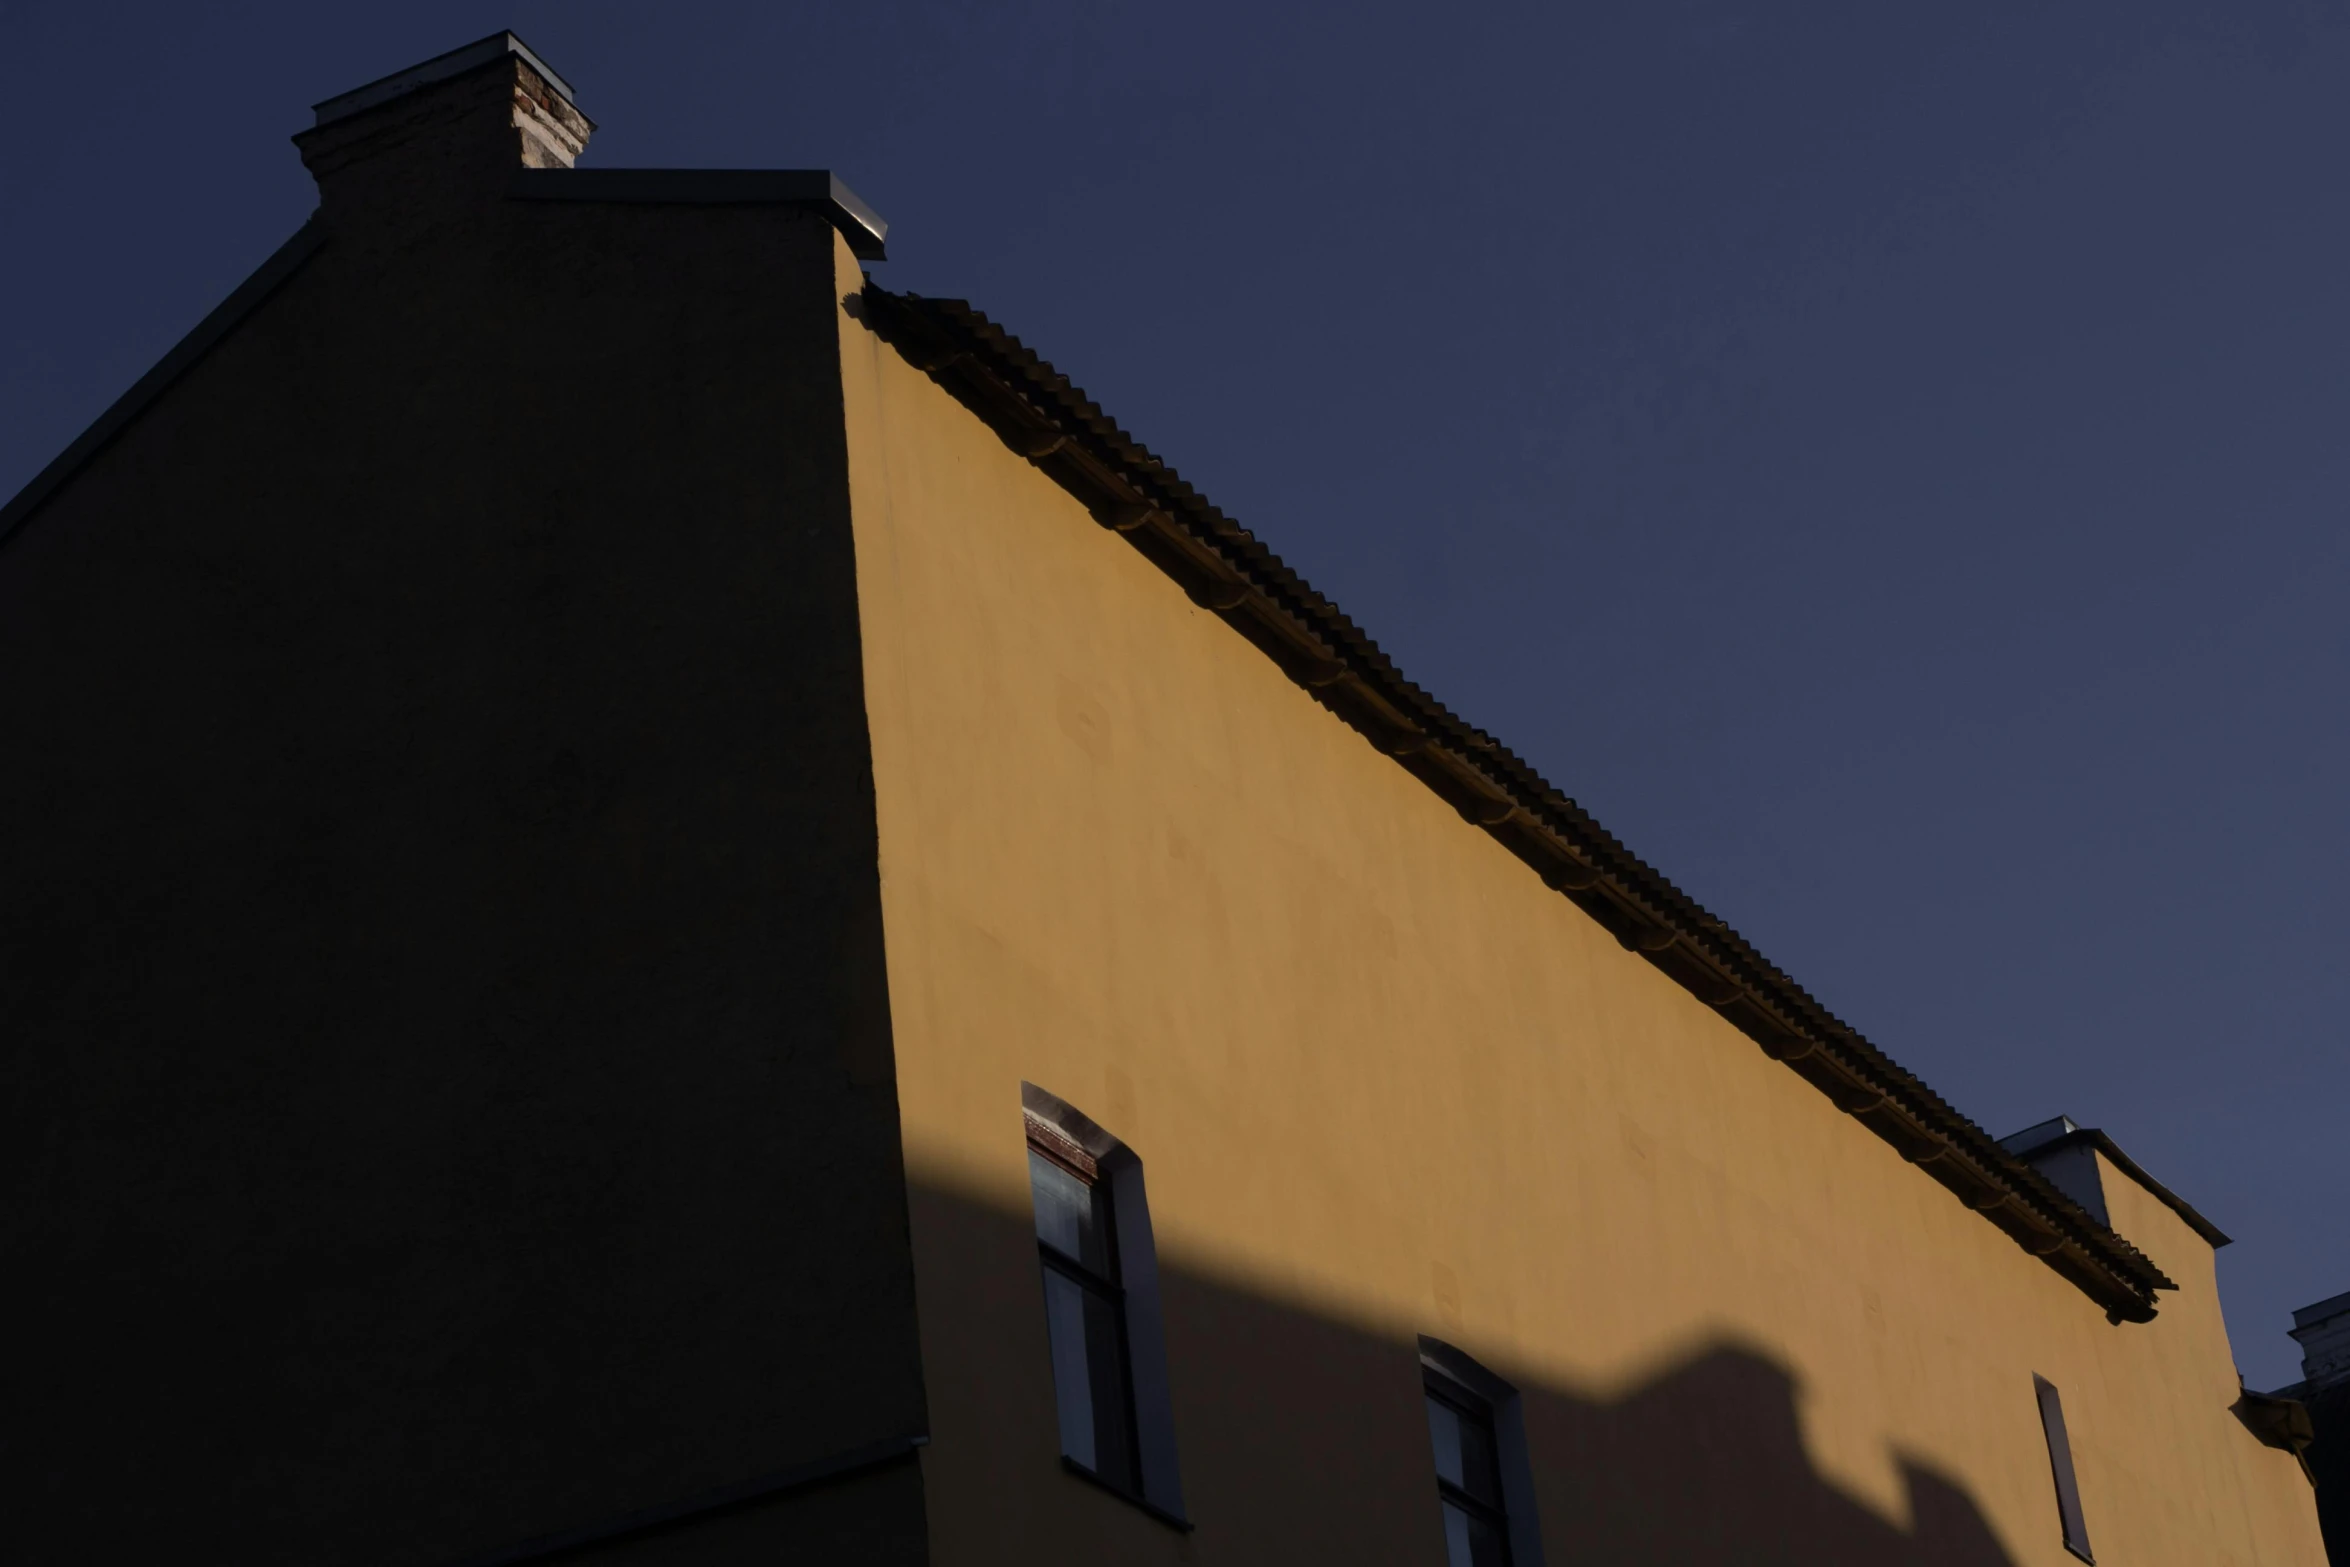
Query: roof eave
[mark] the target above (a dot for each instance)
(1037, 413)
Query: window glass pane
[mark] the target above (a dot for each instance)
(1089, 1378)
(1069, 1214)
(1444, 1431)
(1481, 1474)
(1464, 1451)
(1105, 1358)
(1064, 1317)
(1470, 1541)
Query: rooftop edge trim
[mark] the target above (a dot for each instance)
(439, 68)
(815, 188)
(818, 189)
(247, 297)
(1223, 568)
(2322, 1311)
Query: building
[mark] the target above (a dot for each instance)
(2323, 1331)
(624, 846)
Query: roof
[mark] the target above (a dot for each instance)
(1037, 412)
(816, 190)
(1223, 567)
(2062, 1132)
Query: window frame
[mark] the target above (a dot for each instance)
(1520, 1511)
(1066, 1138)
(1057, 1148)
(1467, 1404)
(2070, 1516)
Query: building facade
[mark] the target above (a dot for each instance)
(2323, 1332)
(669, 907)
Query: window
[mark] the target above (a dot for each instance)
(1468, 1475)
(1101, 1306)
(2060, 1459)
(1085, 1314)
(1484, 1482)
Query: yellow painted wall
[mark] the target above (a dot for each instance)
(1384, 1082)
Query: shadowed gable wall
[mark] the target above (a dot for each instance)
(1383, 1083)
(449, 1090)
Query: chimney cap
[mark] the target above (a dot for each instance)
(2031, 1139)
(439, 69)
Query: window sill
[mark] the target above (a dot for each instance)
(1171, 1520)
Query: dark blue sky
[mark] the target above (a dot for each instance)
(1890, 467)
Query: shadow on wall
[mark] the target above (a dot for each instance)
(1706, 1464)
(1303, 1439)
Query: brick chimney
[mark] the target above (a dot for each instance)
(440, 136)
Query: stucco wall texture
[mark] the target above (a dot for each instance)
(448, 1077)
(1384, 1083)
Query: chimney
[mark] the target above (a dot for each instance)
(446, 134)
(2323, 1331)
(2057, 1150)
(2090, 1168)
